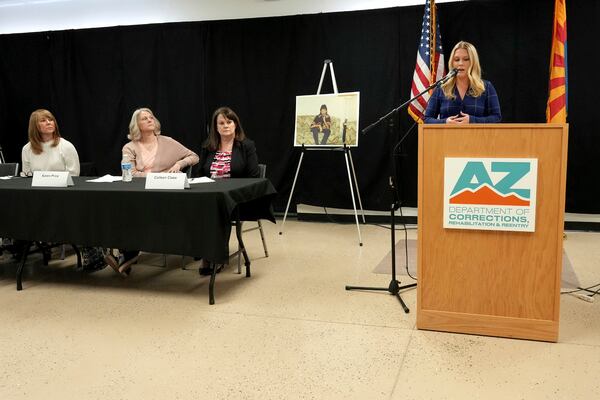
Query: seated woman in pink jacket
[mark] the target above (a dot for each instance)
(149, 151)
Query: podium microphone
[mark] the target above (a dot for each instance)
(448, 76)
(406, 103)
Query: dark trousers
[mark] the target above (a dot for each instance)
(129, 254)
(315, 133)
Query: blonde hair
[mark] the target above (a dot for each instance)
(35, 136)
(476, 85)
(134, 129)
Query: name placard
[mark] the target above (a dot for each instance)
(51, 179)
(162, 180)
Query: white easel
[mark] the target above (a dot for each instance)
(347, 155)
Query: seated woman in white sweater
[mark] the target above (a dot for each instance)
(48, 151)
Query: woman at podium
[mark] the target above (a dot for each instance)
(465, 98)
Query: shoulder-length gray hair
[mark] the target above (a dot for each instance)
(134, 129)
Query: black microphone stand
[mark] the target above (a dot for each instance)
(2, 160)
(394, 287)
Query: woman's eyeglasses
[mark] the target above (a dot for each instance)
(23, 174)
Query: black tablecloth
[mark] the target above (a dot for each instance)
(193, 222)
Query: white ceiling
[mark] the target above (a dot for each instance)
(45, 15)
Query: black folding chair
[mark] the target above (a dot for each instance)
(9, 169)
(263, 173)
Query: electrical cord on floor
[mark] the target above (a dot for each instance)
(387, 227)
(583, 296)
(403, 224)
(406, 244)
(587, 289)
(331, 219)
(329, 216)
(397, 196)
(403, 228)
(595, 293)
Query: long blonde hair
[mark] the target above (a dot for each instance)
(35, 137)
(476, 85)
(134, 129)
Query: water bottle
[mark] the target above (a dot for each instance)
(126, 168)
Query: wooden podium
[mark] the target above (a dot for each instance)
(496, 283)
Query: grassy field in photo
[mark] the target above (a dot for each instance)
(304, 135)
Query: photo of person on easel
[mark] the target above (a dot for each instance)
(336, 124)
(321, 123)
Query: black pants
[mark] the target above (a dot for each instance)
(315, 133)
(129, 254)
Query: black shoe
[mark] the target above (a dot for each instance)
(96, 266)
(208, 270)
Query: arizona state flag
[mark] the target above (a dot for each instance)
(556, 110)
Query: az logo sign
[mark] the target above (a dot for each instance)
(494, 184)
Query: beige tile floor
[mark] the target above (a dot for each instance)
(289, 332)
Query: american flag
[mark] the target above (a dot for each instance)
(430, 61)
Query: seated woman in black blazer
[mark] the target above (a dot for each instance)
(227, 153)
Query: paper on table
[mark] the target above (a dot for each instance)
(6, 177)
(106, 178)
(202, 179)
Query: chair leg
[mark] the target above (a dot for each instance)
(262, 236)
(211, 285)
(26, 247)
(239, 257)
(46, 251)
(79, 264)
(239, 252)
(238, 233)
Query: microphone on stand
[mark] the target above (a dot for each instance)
(447, 77)
(406, 103)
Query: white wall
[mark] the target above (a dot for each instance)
(45, 15)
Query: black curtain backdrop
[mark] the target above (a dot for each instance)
(93, 79)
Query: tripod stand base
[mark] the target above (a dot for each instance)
(394, 289)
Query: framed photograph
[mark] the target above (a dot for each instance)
(327, 120)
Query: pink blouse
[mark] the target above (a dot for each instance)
(148, 157)
(221, 165)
